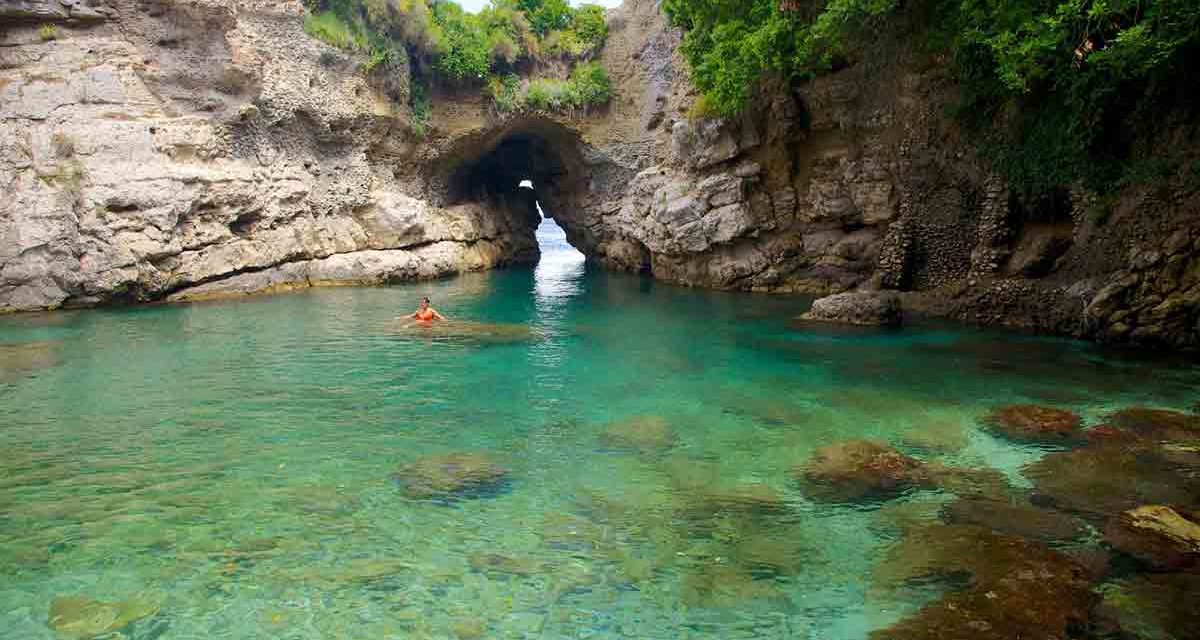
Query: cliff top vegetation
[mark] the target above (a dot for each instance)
(1059, 92)
(442, 42)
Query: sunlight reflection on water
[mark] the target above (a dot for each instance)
(559, 273)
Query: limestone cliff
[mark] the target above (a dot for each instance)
(187, 148)
(154, 149)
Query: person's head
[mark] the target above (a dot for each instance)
(424, 303)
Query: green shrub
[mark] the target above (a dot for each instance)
(505, 93)
(378, 57)
(418, 102)
(466, 49)
(336, 31)
(702, 109)
(589, 26)
(48, 32)
(590, 85)
(546, 15)
(547, 94)
(587, 87)
(1055, 91)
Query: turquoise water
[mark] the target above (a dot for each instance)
(228, 466)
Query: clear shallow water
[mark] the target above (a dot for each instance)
(228, 465)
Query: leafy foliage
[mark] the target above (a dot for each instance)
(336, 31)
(730, 44)
(418, 103)
(587, 87)
(437, 39)
(547, 15)
(466, 47)
(460, 45)
(1071, 83)
(505, 93)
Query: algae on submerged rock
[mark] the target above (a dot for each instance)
(1033, 423)
(449, 475)
(1157, 535)
(860, 470)
(82, 618)
(1016, 588)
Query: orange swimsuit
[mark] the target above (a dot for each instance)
(426, 315)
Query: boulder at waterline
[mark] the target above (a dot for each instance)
(450, 475)
(864, 308)
(1156, 535)
(1033, 423)
(859, 470)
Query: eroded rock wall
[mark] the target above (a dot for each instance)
(860, 180)
(153, 149)
(180, 149)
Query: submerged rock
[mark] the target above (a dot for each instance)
(1102, 480)
(866, 308)
(646, 434)
(1033, 423)
(1015, 588)
(773, 555)
(1014, 518)
(941, 436)
(82, 618)
(1151, 607)
(20, 360)
(1157, 535)
(506, 564)
(450, 475)
(1157, 424)
(964, 481)
(860, 470)
(745, 498)
(717, 584)
(467, 330)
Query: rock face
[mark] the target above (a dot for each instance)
(1157, 535)
(861, 308)
(189, 149)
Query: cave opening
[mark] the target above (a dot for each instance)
(551, 238)
(529, 174)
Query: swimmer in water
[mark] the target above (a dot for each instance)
(426, 313)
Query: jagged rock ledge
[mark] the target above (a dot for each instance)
(356, 268)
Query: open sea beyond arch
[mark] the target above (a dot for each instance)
(627, 455)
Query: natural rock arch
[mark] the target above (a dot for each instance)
(486, 168)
